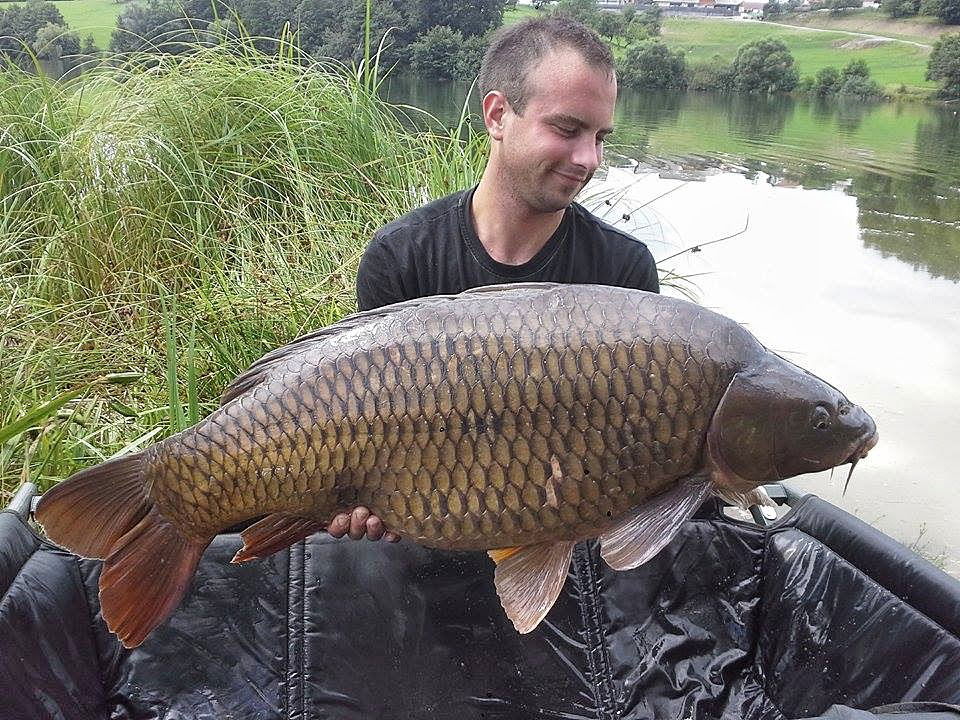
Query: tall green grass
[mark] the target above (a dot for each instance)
(166, 220)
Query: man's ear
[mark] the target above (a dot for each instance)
(495, 106)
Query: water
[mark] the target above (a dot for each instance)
(849, 264)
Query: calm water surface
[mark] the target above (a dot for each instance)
(845, 259)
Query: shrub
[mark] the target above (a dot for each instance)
(944, 66)
(764, 66)
(715, 75)
(653, 65)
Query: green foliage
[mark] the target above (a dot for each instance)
(838, 7)
(900, 8)
(442, 52)
(583, 11)
(53, 42)
(178, 220)
(611, 24)
(764, 66)
(19, 25)
(773, 10)
(826, 82)
(652, 65)
(944, 66)
(714, 75)
(948, 11)
(852, 82)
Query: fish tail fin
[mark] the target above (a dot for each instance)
(106, 512)
(146, 576)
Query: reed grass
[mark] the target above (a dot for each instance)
(165, 221)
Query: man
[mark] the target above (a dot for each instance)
(549, 91)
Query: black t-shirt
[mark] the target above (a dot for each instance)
(434, 250)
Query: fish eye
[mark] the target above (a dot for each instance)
(821, 418)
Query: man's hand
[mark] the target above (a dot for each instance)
(359, 523)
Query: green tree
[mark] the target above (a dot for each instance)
(611, 24)
(19, 24)
(948, 11)
(773, 9)
(653, 65)
(826, 82)
(152, 25)
(855, 69)
(900, 8)
(764, 66)
(584, 11)
(714, 75)
(435, 52)
(944, 66)
(839, 7)
(53, 42)
(469, 18)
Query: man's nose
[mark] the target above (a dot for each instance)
(588, 153)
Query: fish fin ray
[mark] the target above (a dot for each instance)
(744, 499)
(274, 533)
(529, 579)
(146, 576)
(500, 554)
(643, 533)
(90, 511)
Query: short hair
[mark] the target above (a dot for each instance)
(515, 49)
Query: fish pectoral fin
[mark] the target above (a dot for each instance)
(272, 534)
(529, 579)
(647, 530)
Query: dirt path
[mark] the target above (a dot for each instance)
(868, 36)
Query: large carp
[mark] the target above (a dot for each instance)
(517, 419)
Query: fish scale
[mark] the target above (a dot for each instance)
(461, 389)
(515, 419)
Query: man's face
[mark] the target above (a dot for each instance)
(548, 153)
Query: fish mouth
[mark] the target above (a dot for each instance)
(863, 448)
(859, 454)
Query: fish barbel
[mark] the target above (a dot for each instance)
(514, 419)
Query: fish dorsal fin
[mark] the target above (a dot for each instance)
(261, 369)
(529, 579)
(646, 531)
(272, 534)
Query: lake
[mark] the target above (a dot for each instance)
(841, 252)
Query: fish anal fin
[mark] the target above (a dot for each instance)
(274, 533)
(146, 576)
(529, 579)
(645, 531)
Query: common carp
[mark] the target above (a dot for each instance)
(516, 419)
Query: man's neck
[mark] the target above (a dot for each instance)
(508, 230)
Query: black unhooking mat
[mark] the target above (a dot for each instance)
(816, 615)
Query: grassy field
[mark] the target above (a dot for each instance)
(891, 64)
(91, 17)
(918, 29)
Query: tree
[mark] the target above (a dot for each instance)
(469, 18)
(773, 9)
(855, 69)
(434, 53)
(764, 66)
(19, 25)
(838, 7)
(944, 66)
(152, 25)
(584, 11)
(900, 8)
(611, 24)
(826, 82)
(652, 65)
(948, 11)
(53, 42)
